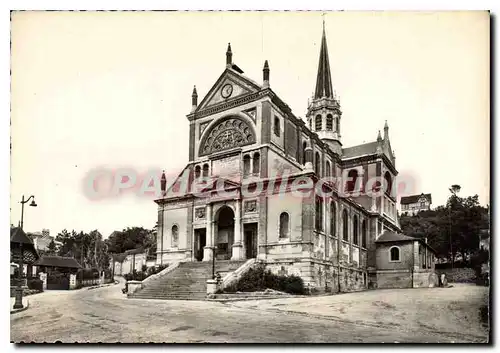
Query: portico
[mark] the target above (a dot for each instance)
(223, 231)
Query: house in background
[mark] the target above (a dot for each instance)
(42, 240)
(413, 204)
(484, 239)
(404, 262)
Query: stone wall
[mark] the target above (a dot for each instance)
(394, 279)
(323, 276)
(458, 274)
(406, 279)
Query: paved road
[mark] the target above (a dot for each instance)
(105, 315)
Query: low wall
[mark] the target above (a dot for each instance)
(321, 277)
(458, 275)
(406, 279)
(394, 279)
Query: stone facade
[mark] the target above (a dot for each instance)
(236, 198)
(405, 264)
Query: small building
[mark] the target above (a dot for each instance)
(20, 241)
(58, 272)
(404, 262)
(413, 204)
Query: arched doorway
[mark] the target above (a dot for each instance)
(224, 236)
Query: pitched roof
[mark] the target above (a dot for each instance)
(17, 235)
(58, 261)
(405, 200)
(389, 236)
(134, 251)
(360, 150)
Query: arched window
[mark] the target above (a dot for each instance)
(355, 239)
(318, 122)
(319, 214)
(363, 234)
(284, 225)
(197, 172)
(352, 178)
(276, 125)
(205, 170)
(328, 168)
(394, 254)
(256, 163)
(345, 226)
(388, 183)
(333, 221)
(246, 165)
(329, 122)
(304, 146)
(175, 236)
(317, 164)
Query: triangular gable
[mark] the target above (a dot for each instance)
(240, 85)
(180, 186)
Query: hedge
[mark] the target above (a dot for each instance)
(259, 279)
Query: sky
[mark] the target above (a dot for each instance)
(94, 90)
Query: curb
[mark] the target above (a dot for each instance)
(14, 311)
(103, 285)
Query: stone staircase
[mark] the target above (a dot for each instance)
(186, 282)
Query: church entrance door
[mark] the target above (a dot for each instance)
(225, 233)
(200, 240)
(250, 240)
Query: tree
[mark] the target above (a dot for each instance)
(451, 229)
(130, 238)
(52, 248)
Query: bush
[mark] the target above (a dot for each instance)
(258, 279)
(142, 275)
(88, 273)
(35, 283)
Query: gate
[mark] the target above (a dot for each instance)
(58, 281)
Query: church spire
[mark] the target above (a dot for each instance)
(324, 79)
(323, 111)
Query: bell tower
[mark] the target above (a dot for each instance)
(323, 111)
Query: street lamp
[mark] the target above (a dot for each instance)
(32, 204)
(19, 290)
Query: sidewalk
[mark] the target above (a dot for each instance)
(13, 300)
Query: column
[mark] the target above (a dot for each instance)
(208, 250)
(416, 257)
(237, 246)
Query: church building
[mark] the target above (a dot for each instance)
(237, 197)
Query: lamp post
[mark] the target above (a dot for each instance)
(32, 204)
(19, 290)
